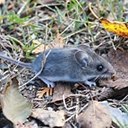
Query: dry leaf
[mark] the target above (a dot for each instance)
(60, 90)
(2, 2)
(30, 124)
(15, 107)
(119, 117)
(45, 91)
(40, 47)
(118, 88)
(119, 60)
(67, 125)
(119, 28)
(110, 93)
(95, 116)
(120, 83)
(58, 41)
(51, 118)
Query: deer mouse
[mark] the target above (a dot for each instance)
(72, 64)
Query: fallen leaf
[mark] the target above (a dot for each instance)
(29, 124)
(51, 118)
(15, 107)
(61, 90)
(39, 47)
(95, 116)
(111, 93)
(119, 87)
(2, 2)
(119, 28)
(120, 83)
(67, 125)
(45, 91)
(58, 41)
(119, 60)
(119, 118)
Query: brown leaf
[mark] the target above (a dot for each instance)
(51, 118)
(40, 47)
(110, 93)
(95, 116)
(45, 91)
(117, 88)
(67, 125)
(120, 83)
(15, 107)
(27, 125)
(2, 2)
(119, 60)
(58, 41)
(60, 90)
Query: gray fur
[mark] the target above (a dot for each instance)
(77, 64)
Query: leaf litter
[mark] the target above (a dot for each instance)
(95, 116)
(60, 91)
(49, 27)
(119, 60)
(49, 117)
(65, 90)
(118, 87)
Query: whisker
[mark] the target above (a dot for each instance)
(97, 77)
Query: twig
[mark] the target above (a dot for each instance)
(77, 107)
(4, 77)
(23, 7)
(66, 105)
(90, 8)
(74, 33)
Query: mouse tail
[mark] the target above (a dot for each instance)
(16, 62)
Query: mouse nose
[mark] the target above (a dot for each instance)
(112, 72)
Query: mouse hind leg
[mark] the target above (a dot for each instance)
(48, 91)
(49, 83)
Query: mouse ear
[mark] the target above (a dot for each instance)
(83, 46)
(82, 59)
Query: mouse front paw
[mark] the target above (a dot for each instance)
(90, 83)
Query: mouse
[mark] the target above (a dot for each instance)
(78, 64)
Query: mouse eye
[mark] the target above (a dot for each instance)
(100, 67)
